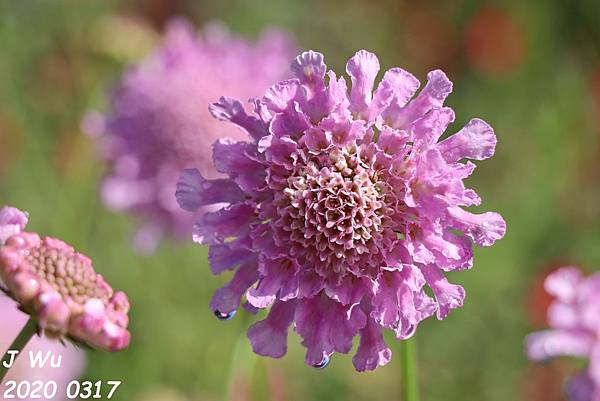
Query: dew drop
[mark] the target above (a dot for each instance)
(225, 316)
(323, 364)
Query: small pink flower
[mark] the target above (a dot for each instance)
(60, 288)
(574, 319)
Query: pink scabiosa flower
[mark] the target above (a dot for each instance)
(159, 121)
(59, 288)
(574, 318)
(341, 208)
(72, 361)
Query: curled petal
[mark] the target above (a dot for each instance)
(476, 141)
(431, 126)
(228, 222)
(229, 109)
(448, 296)
(484, 229)
(222, 257)
(12, 221)
(194, 191)
(278, 280)
(232, 157)
(269, 336)
(400, 302)
(401, 85)
(326, 326)
(228, 298)
(309, 68)
(362, 68)
(432, 96)
(372, 351)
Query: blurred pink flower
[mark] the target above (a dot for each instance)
(574, 318)
(73, 360)
(59, 287)
(159, 124)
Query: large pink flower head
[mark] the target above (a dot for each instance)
(159, 122)
(72, 361)
(574, 317)
(342, 207)
(59, 287)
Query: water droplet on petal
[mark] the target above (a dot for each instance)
(323, 364)
(225, 316)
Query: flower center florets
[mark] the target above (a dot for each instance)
(67, 272)
(336, 205)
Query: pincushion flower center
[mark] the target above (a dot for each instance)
(69, 274)
(335, 203)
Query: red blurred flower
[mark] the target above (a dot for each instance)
(494, 42)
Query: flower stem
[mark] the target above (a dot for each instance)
(410, 385)
(20, 342)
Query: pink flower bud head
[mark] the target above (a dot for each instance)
(61, 290)
(340, 207)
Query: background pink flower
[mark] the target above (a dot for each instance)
(158, 122)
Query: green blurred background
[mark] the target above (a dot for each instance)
(531, 69)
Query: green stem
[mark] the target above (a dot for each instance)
(410, 385)
(20, 342)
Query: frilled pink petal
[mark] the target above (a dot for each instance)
(279, 96)
(12, 221)
(432, 96)
(309, 68)
(450, 251)
(372, 351)
(351, 289)
(229, 109)
(326, 326)
(290, 123)
(484, 229)
(281, 152)
(581, 387)
(217, 227)
(551, 343)
(392, 141)
(448, 296)
(269, 336)
(225, 257)
(278, 280)
(476, 141)
(194, 191)
(401, 86)
(232, 157)
(400, 303)
(563, 283)
(428, 129)
(228, 298)
(362, 68)
(317, 140)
